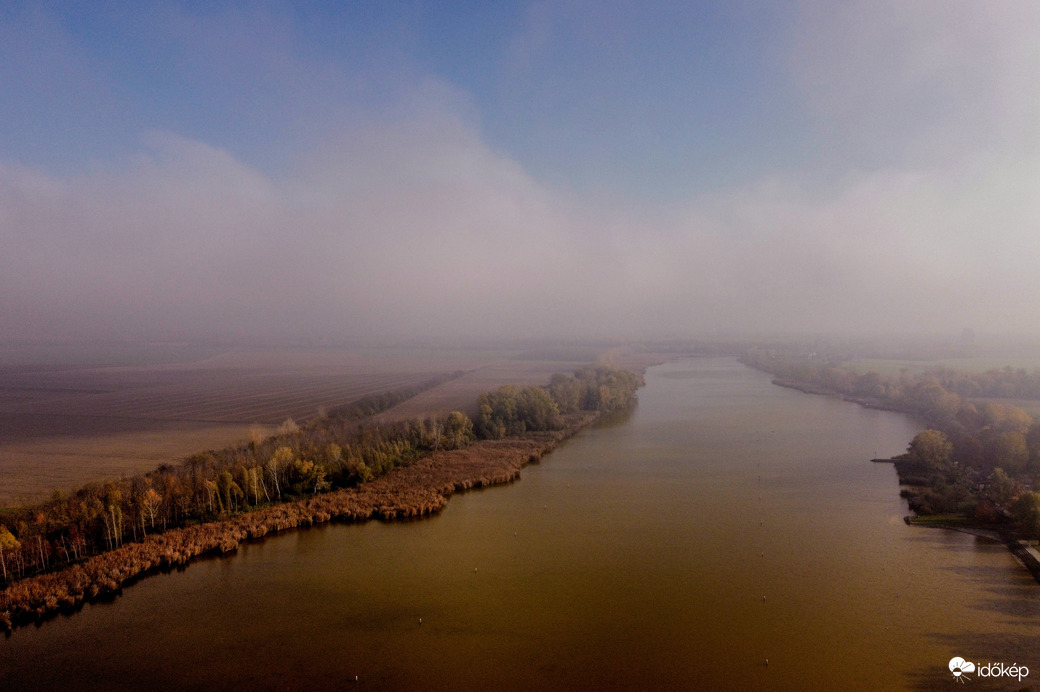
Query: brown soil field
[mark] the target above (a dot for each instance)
(32, 468)
(461, 393)
(61, 427)
(523, 369)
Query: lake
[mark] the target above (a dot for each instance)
(721, 523)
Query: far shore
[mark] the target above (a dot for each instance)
(1026, 556)
(864, 401)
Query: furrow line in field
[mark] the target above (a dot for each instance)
(262, 407)
(181, 403)
(308, 405)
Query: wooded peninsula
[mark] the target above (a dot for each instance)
(976, 465)
(58, 554)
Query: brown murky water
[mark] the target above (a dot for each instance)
(723, 522)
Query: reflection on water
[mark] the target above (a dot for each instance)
(615, 418)
(720, 523)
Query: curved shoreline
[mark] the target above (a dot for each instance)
(1027, 557)
(864, 401)
(420, 489)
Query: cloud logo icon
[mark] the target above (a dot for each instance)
(958, 666)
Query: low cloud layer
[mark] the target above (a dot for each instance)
(920, 215)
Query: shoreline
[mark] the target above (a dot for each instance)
(419, 489)
(1028, 557)
(865, 402)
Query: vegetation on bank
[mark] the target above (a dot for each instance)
(410, 491)
(301, 475)
(979, 460)
(512, 410)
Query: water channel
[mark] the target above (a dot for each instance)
(722, 523)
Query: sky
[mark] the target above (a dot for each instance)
(271, 171)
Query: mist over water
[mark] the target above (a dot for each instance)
(722, 522)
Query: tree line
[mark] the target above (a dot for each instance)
(512, 410)
(995, 383)
(333, 451)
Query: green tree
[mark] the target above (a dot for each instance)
(1001, 488)
(1033, 444)
(1005, 417)
(229, 491)
(1009, 451)
(356, 471)
(931, 448)
(566, 392)
(8, 543)
(536, 410)
(1027, 514)
(458, 430)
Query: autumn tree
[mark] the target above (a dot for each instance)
(228, 490)
(1006, 418)
(458, 430)
(150, 503)
(8, 543)
(512, 410)
(282, 457)
(1008, 450)
(1001, 489)
(931, 448)
(566, 392)
(113, 515)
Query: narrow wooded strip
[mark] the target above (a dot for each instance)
(409, 491)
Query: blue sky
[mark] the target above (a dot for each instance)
(651, 100)
(710, 167)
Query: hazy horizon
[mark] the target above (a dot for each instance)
(284, 172)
